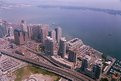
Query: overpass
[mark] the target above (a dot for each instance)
(63, 72)
(58, 65)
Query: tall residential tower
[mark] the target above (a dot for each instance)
(20, 37)
(23, 26)
(43, 33)
(62, 47)
(49, 46)
(58, 31)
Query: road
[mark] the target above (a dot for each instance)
(66, 73)
(51, 61)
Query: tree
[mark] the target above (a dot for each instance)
(104, 79)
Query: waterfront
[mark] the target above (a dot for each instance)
(103, 33)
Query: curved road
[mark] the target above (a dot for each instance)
(67, 73)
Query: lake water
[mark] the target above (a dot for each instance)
(100, 30)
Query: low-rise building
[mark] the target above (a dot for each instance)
(63, 62)
(74, 44)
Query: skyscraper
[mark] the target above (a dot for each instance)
(20, 36)
(84, 65)
(24, 26)
(30, 31)
(62, 47)
(49, 46)
(72, 56)
(96, 71)
(58, 31)
(35, 32)
(52, 34)
(38, 32)
(3, 28)
(44, 33)
(10, 31)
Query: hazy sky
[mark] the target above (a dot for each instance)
(113, 4)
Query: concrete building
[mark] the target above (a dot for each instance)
(10, 31)
(84, 65)
(43, 33)
(63, 62)
(3, 29)
(29, 27)
(96, 71)
(52, 34)
(62, 47)
(38, 32)
(74, 44)
(49, 46)
(20, 37)
(35, 32)
(23, 26)
(58, 31)
(72, 56)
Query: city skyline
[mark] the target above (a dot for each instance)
(73, 55)
(60, 40)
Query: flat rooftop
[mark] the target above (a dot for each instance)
(63, 61)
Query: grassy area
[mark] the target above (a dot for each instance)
(35, 70)
(25, 72)
(22, 73)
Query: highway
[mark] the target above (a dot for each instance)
(66, 73)
(45, 57)
(51, 61)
